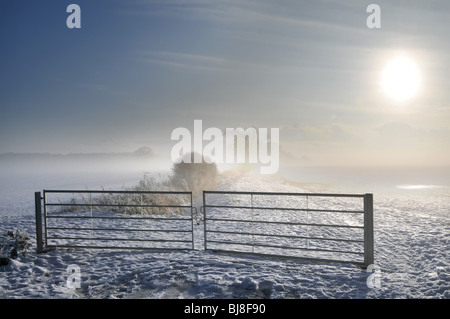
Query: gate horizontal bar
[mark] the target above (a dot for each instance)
(285, 236)
(115, 192)
(122, 229)
(280, 223)
(127, 218)
(121, 239)
(286, 247)
(289, 257)
(284, 194)
(288, 208)
(119, 247)
(116, 205)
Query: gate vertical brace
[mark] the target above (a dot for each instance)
(192, 222)
(141, 202)
(368, 230)
(44, 195)
(38, 210)
(92, 221)
(253, 225)
(307, 221)
(204, 220)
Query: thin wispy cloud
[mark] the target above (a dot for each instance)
(197, 9)
(198, 62)
(194, 62)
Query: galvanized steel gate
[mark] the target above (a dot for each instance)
(294, 225)
(114, 219)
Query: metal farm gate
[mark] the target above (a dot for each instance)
(315, 227)
(308, 226)
(114, 219)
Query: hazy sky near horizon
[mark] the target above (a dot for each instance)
(138, 69)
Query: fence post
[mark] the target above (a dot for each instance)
(37, 203)
(368, 230)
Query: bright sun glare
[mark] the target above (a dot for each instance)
(401, 78)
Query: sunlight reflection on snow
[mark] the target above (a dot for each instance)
(420, 186)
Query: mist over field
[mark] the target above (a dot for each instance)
(96, 170)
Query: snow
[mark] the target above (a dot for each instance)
(412, 235)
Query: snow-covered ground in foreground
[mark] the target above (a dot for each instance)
(411, 250)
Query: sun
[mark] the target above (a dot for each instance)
(401, 78)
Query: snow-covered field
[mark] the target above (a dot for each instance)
(412, 232)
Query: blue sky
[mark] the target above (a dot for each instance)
(138, 69)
